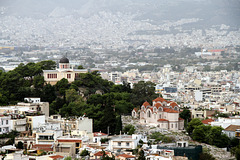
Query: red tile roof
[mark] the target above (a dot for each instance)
(146, 104)
(96, 134)
(232, 128)
(157, 105)
(151, 109)
(100, 153)
(46, 147)
(216, 50)
(159, 99)
(169, 110)
(173, 104)
(207, 121)
(55, 157)
(180, 119)
(135, 109)
(162, 120)
(126, 156)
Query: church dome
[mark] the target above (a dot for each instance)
(64, 60)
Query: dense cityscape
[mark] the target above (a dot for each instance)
(120, 80)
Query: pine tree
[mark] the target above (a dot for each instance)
(118, 124)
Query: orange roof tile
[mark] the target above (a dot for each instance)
(207, 121)
(232, 128)
(180, 118)
(126, 156)
(46, 147)
(169, 110)
(157, 105)
(100, 153)
(135, 109)
(173, 104)
(216, 50)
(146, 104)
(55, 157)
(151, 109)
(159, 99)
(96, 134)
(162, 120)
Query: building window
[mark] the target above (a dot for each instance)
(119, 143)
(77, 150)
(172, 125)
(160, 116)
(49, 76)
(175, 125)
(2, 122)
(6, 121)
(77, 144)
(127, 143)
(0, 129)
(149, 114)
(68, 75)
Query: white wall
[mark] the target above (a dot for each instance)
(37, 121)
(84, 123)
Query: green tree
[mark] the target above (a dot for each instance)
(108, 121)
(129, 129)
(38, 82)
(47, 65)
(68, 158)
(118, 124)
(206, 156)
(193, 124)
(62, 86)
(84, 153)
(141, 155)
(80, 67)
(143, 91)
(185, 114)
(72, 95)
(216, 137)
(20, 145)
(48, 93)
(200, 133)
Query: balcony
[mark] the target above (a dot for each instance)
(21, 122)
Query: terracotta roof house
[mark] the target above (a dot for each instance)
(232, 131)
(162, 113)
(207, 121)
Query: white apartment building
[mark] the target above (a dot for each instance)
(5, 124)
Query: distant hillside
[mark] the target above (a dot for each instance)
(212, 12)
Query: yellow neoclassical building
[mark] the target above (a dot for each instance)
(63, 71)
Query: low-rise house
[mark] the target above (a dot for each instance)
(35, 121)
(18, 122)
(67, 125)
(160, 154)
(232, 131)
(97, 136)
(125, 157)
(67, 145)
(225, 122)
(125, 142)
(207, 121)
(5, 124)
(100, 154)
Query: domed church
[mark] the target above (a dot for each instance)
(63, 71)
